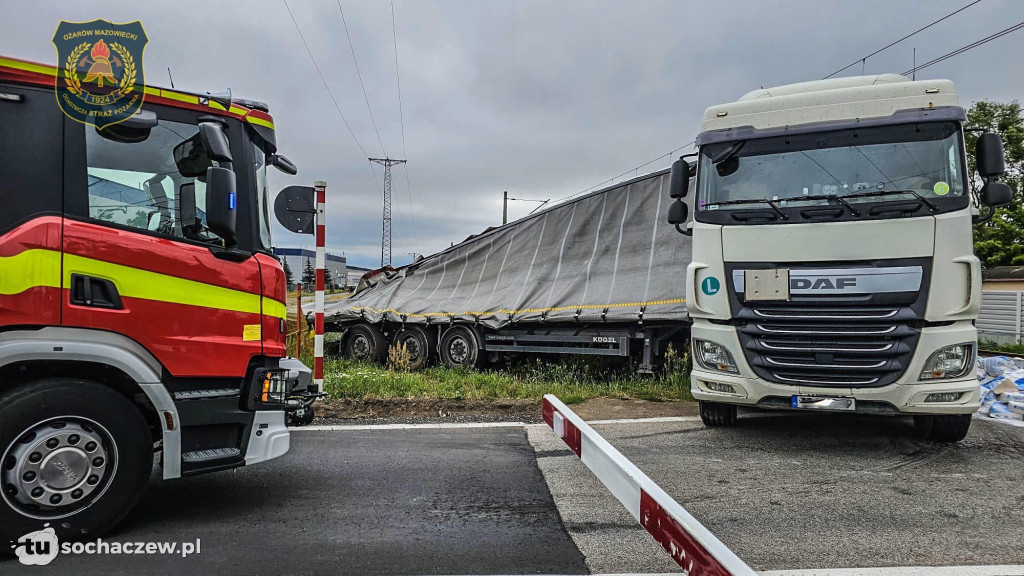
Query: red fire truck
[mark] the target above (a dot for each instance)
(142, 314)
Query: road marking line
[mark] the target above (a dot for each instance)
(429, 426)
(998, 570)
(653, 420)
(441, 425)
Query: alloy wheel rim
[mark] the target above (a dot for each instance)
(57, 467)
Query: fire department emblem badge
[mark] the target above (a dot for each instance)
(100, 79)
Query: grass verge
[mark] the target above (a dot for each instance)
(1017, 348)
(572, 379)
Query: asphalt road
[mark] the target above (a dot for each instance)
(789, 491)
(459, 501)
(783, 491)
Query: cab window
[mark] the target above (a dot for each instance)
(139, 184)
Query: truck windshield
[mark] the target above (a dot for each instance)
(899, 163)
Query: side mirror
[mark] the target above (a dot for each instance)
(134, 129)
(141, 120)
(988, 153)
(215, 141)
(221, 203)
(679, 182)
(295, 209)
(283, 164)
(677, 214)
(995, 194)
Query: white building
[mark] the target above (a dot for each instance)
(296, 259)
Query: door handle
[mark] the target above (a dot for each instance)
(94, 292)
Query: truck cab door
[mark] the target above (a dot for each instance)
(30, 206)
(133, 266)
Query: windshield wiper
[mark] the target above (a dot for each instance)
(839, 199)
(926, 201)
(771, 203)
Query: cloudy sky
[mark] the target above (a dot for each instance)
(541, 98)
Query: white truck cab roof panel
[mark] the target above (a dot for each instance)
(830, 100)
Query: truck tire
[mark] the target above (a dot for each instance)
(942, 428)
(73, 454)
(365, 342)
(418, 343)
(715, 414)
(460, 346)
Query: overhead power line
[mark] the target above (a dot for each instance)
(328, 88)
(890, 45)
(360, 76)
(635, 170)
(970, 46)
(401, 118)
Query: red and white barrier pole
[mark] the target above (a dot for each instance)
(318, 305)
(300, 321)
(690, 544)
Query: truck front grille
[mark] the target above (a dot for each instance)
(828, 347)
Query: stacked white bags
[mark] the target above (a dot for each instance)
(1002, 389)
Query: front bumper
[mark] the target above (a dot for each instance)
(905, 396)
(268, 438)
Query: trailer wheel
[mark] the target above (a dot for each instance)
(942, 428)
(365, 342)
(418, 343)
(73, 454)
(715, 414)
(460, 346)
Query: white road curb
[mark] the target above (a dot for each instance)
(1002, 570)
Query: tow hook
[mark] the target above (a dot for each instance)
(299, 408)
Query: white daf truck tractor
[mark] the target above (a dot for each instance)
(833, 263)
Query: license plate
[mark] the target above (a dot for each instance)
(766, 285)
(825, 403)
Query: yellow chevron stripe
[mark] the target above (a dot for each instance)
(274, 308)
(524, 310)
(171, 94)
(29, 269)
(39, 267)
(136, 283)
(259, 121)
(28, 66)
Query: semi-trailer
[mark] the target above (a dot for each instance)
(598, 275)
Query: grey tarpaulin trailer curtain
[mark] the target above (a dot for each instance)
(605, 256)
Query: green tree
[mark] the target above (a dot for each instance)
(308, 276)
(288, 277)
(1000, 241)
(328, 279)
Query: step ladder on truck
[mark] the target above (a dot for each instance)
(142, 314)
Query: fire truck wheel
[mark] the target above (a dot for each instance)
(418, 343)
(944, 428)
(365, 342)
(460, 346)
(73, 454)
(717, 414)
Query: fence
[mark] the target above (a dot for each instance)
(1000, 318)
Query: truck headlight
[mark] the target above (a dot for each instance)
(712, 356)
(949, 362)
(273, 385)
